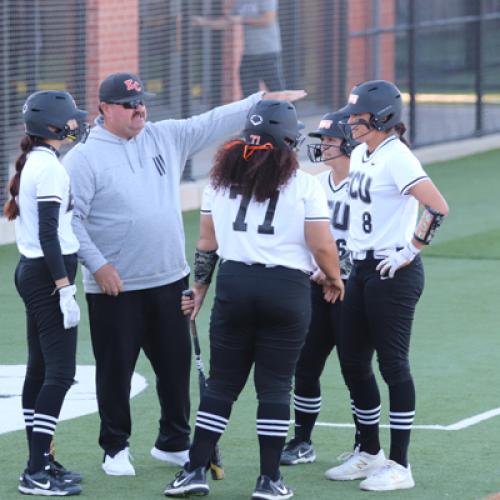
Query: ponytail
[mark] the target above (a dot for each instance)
(11, 208)
(400, 129)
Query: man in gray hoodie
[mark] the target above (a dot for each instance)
(127, 216)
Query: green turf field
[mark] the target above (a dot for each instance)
(455, 353)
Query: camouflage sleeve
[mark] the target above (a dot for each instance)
(204, 265)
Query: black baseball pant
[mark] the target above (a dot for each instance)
(259, 318)
(51, 362)
(377, 316)
(322, 337)
(120, 326)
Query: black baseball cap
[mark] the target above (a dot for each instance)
(118, 88)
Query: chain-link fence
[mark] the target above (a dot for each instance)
(196, 54)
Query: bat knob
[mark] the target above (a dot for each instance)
(188, 293)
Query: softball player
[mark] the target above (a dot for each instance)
(387, 183)
(334, 150)
(41, 205)
(262, 216)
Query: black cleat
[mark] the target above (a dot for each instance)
(297, 452)
(267, 489)
(60, 472)
(45, 484)
(188, 483)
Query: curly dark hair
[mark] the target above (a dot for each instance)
(257, 171)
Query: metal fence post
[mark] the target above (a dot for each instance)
(479, 69)
(5, 99)
(186, 75)
(412, 66)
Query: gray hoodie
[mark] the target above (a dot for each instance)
(127, 197)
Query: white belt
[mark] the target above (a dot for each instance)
(372, 254)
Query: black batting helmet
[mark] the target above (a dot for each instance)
(275, 122)
(380, 98)
(52, 108)
(332, 125)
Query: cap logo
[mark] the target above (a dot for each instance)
(132, 85)
(256, 120)
(353, 99)
(325, 124)
(25, 107)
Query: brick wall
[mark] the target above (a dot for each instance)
(112, 42)
(360, 62)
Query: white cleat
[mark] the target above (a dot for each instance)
(391, 476)
(173, 457)
(119, 465)
(358, 465)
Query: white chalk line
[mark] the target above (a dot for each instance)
(457, 426)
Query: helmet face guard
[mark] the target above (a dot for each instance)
(79, 134)
(46, 115)
(332, 125)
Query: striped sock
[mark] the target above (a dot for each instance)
(29, 415)
(273, 421)
(306, 412)
(401, 416)
(211, 422)
(357, 436)
(366, 397)
(47, 408)
(44, 427)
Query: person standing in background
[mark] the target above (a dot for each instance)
(42, 207)
(261, 60)
(128, 219)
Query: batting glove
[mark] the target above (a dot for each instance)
(397, 259)
(69, 306)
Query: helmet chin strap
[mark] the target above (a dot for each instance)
(315, 152)
(367, 124)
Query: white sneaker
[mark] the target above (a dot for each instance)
(358, 465)
(119, 465)
(173, 457)
(391, 476)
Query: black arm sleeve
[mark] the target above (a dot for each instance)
(48, 222)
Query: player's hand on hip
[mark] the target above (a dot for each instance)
(396, 259)
(333, 289)
(69, 306)
(286, 95)
(192, 299)
(109, 280)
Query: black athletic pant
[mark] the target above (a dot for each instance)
(120, 326)
(265, 67)
(377, 316)
(259, 318)
(51, 362)
(322, 337)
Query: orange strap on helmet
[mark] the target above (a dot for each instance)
(249, 149)
(230, 144)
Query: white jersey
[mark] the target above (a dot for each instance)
(383, 213)
(269, 233)
(43, 178)
(338, 206)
